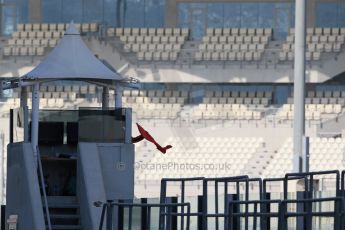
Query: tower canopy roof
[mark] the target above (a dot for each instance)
(71, 59)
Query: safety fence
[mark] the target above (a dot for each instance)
(304, 209)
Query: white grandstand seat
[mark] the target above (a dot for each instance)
(28, 27)
(61, 27)
(44, 27)
(119, 32)
(31, 51)
(23, 51)
(335, 31)
(111, 32)
(290, 56)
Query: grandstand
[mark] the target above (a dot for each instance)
(217, 83)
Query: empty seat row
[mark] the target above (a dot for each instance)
(52, 91)
(224, 115)
(239, 31)
(148, 31)
(251, 94)
(83, 89)
(315, 47)
(231, 47)
(153, 39)
(153, 106)
(236, 39)
(156, 114)
(32, 42)
(231, 56)
(37, 34)
(321, 31)
(155, 93)
(238, 100)
(326, 93)
(322, 108)
(157, 56)
(84, 27)
(151, 47)
(63, 95)
(154, 100)
(44, 102)
(289, 115)
(289, 56)
(319, 39)
(229, 107)
(23, 51)
(53, 102)
(321, 100)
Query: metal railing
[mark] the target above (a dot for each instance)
(338, 213)
(43, 189)
(171, 210)
(342, 187)
(163, 195)
(226, 181)
(257, 213)
(239, 210)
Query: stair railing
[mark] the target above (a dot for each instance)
(40, 172)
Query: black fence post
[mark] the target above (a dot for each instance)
(11, 125)
(265, 221)
(337, 211)
(300, 208)
(174, 200)
(120, 216)
(235, 223)
(162, 200)
(109, 216)
(3, 216)
(200, 219)
(282, 220)
(204, 206)
(144, 215)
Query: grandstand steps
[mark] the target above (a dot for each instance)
(187, 52)
(270, 54)
(332, 127)
(258, 163)
(333, 66)
(107, 51)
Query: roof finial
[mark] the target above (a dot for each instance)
(72, 29)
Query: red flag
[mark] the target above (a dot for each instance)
(145, 135)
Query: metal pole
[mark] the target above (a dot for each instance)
(299, 84)
(109, 215)
(306, 156)
(23, 97)
(105, 98)
(35, 118)
(24, 106)
(26, 123)
(118, 96)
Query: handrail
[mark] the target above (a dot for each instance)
(163, 194)
(107, 210)
(283, 213)
(40, 170)
(338, 212)
(226, 180)
(343, 182)
(309, 177)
